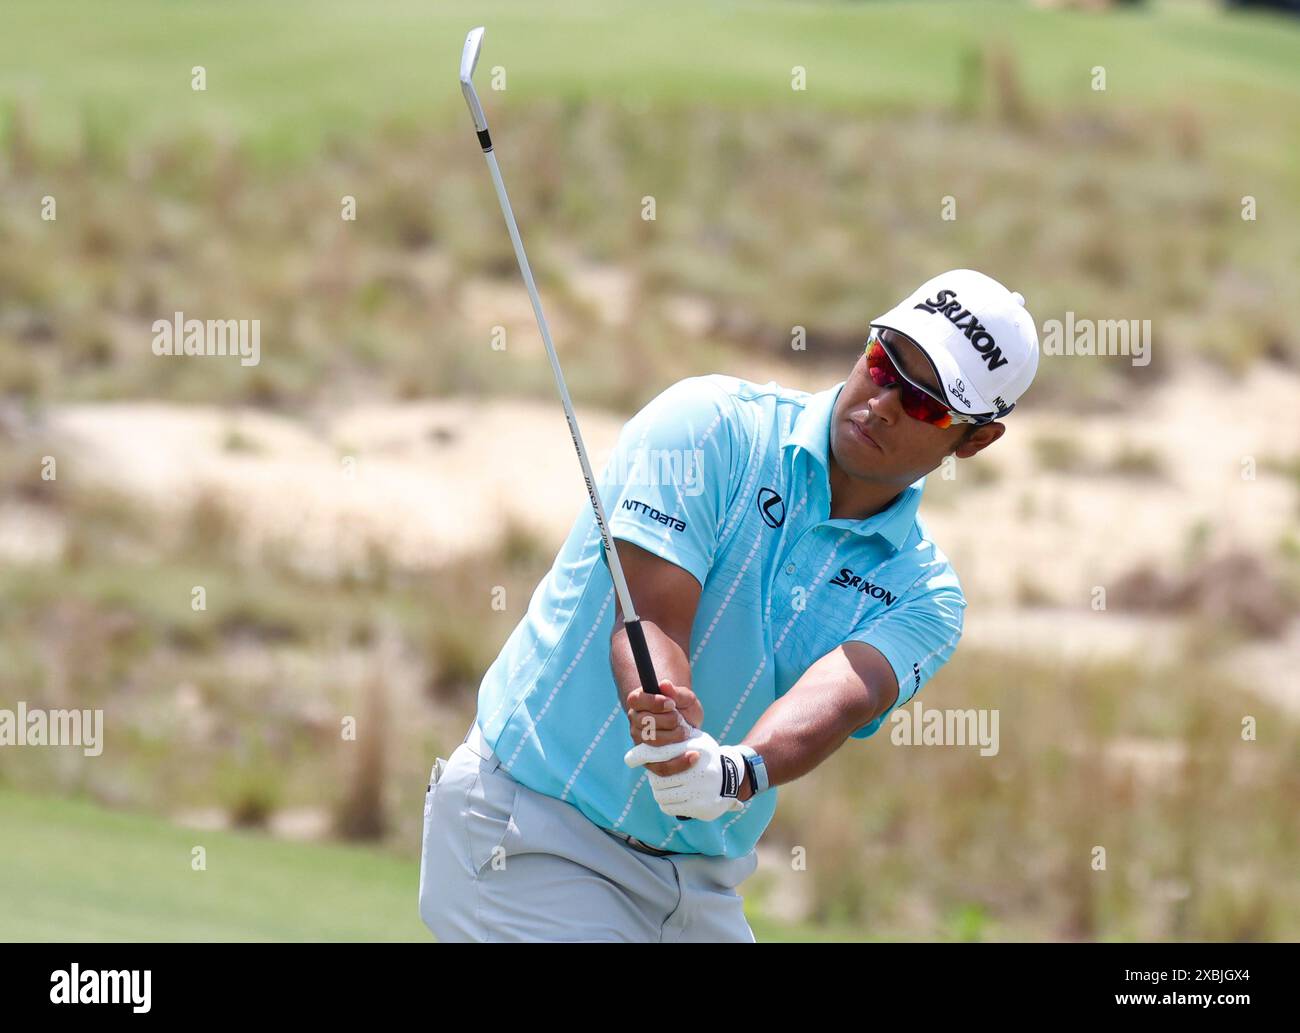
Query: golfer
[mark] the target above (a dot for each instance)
(791, 599)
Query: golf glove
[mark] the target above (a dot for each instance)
(705, 790)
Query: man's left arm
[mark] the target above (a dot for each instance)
(846, 689)
(848, 692)
(853, 688)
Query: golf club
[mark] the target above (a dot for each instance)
(635, 634)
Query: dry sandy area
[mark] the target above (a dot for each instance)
(433, 480)
(426, 481)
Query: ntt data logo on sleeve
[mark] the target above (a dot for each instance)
(102, 986)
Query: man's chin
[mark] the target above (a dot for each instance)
(856, 454)
(861, 467)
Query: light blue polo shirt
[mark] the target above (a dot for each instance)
(729, 480)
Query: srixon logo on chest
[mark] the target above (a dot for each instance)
(945, 303)
(847, 579)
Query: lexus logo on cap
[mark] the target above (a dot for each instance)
(771, 507)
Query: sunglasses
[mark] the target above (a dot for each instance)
(916, 403)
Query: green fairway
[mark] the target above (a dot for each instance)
(286, 75)
(74, 871)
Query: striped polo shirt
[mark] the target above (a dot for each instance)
(729, 480)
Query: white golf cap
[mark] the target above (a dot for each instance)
(977, 335)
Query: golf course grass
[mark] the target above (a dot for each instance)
(285, 76)
(77, 872)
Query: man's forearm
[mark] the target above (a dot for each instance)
(813, 719)
(666, 653)
(793, 737)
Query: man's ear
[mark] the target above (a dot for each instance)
(979, 438)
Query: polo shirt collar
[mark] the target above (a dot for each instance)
(811, 433)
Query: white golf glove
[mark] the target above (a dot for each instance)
(705, 790)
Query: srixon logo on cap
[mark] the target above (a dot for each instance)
(945, 303)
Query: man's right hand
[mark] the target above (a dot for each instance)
(663, 719)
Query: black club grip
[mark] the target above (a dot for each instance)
(645, 667)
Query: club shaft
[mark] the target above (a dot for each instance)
(636, 634)
(631, 622)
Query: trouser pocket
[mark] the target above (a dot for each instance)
(489, 818)
(435, 773)
(439, 765)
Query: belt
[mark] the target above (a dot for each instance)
(637, 844)
(479, 746)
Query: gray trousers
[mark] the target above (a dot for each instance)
(502, 862)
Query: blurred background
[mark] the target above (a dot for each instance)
(347, 509)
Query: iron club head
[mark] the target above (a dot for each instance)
(468, 62)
